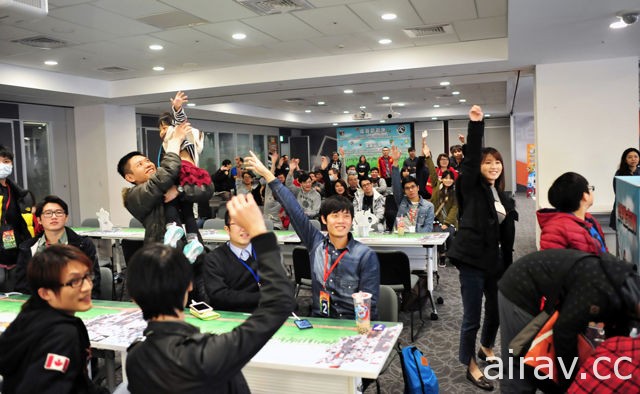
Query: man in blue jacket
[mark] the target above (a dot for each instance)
(340, 265)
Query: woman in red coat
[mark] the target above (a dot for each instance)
(569, 225)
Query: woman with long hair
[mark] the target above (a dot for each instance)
(442, 163)
(482, 249)
(342, 189)
(363, 168)
(628, 167)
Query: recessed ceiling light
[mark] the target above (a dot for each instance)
(487, 115)
(50, 62)
(363, 107)
(436, 105)
(618, 25)
(158, 68)
(434, 118)
(307, 111)
(191, 104)
(400, 104)
(383, 121)
(348, 91)
(455, 93)
(384, 41)
(345, 112)
(385, 97)
(156, 47)
(389, 16)
(321, 102)
(463, 100)
(445, 83)
(239, 36)
(334, 124)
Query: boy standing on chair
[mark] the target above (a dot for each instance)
(340, 265)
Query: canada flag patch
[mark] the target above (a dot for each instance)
(56, 362)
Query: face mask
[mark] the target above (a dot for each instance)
(352, 172)
(5, 170)
(333, 178)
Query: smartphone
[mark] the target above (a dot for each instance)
(203, 311)
(303, 324)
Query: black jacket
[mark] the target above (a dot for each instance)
(223, 182)
(229, 286)
(176, 358)
(85, 244)
(38, 331)
(480, 234)
(586, 287)
(20, 202)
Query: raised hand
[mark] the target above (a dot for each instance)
(244, 211)
(324, 162)
(461, 138)
(395, 154)
(294, 164)
(252, 163)
(341, 151)
(178, 100)
(274, 156)
(425, 149)
(475, 113)
(181, 131)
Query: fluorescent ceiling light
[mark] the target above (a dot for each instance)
(334, 124)
(363, 107)
(436, 105)
(50, 62)
(348, 91)
(434, 118)
(239, 36)
(385, 97)
(321, 102)
(191, 104)
(445, 83)
(455, 93)
(384, 41)
(158, 68)
(307, 111)
(156, 47)
(463, 100)
(389, 16)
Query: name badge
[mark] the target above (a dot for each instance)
(325, 303)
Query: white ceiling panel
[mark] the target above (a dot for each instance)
(438, 11)
(66, 31)
(224, 31)
(333, 20)
(192, 38)
(371, 12)
(13, 33)
(297, 49)
(254, 55)
(328, 3)
(436, 39)
(398, 38)
(212, 10)
(134, 9)
(64, 3)
(8, 49)
(483, 28)
(342, 44)
(284, 27)
(97, 18)
(487, 8)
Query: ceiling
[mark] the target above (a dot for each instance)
(290, 61)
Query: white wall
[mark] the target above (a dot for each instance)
(586, 114)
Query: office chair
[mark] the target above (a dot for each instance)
(301, 268)
(215, 224)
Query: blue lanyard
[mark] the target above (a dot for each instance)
(594, 233)
(255, 275)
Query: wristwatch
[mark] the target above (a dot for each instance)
(180, 189)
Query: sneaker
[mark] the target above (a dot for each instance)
(192, 250)
(173, 235)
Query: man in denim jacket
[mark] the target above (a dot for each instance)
(416, 210)
(340, 265)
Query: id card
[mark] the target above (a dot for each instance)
(325, 303)
(9, 239)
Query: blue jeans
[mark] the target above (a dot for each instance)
(473, 284)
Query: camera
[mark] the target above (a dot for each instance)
(630, 18)
(389, 115)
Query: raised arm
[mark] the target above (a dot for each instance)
(473, 151)
(396, 182)
(343, 167)
(176, 106)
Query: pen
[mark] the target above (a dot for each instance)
(296, 316)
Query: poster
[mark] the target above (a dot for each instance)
(627, 207)
(369, 141)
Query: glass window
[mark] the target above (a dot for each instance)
(258, 147)
(226, 147)
(244, 145)
(208, 159)
(36, 149)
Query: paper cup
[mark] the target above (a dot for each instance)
(362, 308)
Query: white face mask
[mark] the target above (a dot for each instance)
(5, 170)
(333, 178)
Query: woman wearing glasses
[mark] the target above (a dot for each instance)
(46, 348)
(569, 225)
(53, 213)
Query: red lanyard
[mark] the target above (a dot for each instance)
(326, 265)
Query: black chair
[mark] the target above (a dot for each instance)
(135, 223)
(128, 247)
(90, 222)
(395, 272)
(301, 268)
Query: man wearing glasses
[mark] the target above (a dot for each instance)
(46, 348)
(416, 212)
(368, 199)
(52, 213)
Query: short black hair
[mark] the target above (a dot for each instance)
(226, 162)
(123, 163)
(250, 173)
(411, 149)
(227, 218)
(166, 119)
(158, 278)
(51, 199)
(303, 177)
(374, 169)
(44, 270)
(335, 204)
(4, 152)
(455, 148)
(408, 179)
(567, 190)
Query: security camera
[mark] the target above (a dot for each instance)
(389, 116)
(630, 18)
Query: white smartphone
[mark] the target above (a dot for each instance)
(425, 133)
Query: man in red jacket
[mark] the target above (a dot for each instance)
(385, 162)
(569, 225)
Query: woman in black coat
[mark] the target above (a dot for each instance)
(628, 167)
(483, 248)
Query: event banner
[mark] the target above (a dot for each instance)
(369, 141)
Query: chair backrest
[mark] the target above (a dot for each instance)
(106, 284)
(395, 268)
(90, 222)
(129, 247)
(301, 264)
(316, 223)
(269, 224)
(215, 224)
(222, 209)
(387, 304)
(135, 223)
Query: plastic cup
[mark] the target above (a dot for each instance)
(363, 230)
(400, 225)
(362, 308)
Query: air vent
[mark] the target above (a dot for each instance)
(172, 19)
(43, 42)
(293, 100)
(113, 69)
(426, 31)
(269, 7)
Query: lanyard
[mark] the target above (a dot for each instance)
(253, 273)
(326, 265)
(6, 207)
